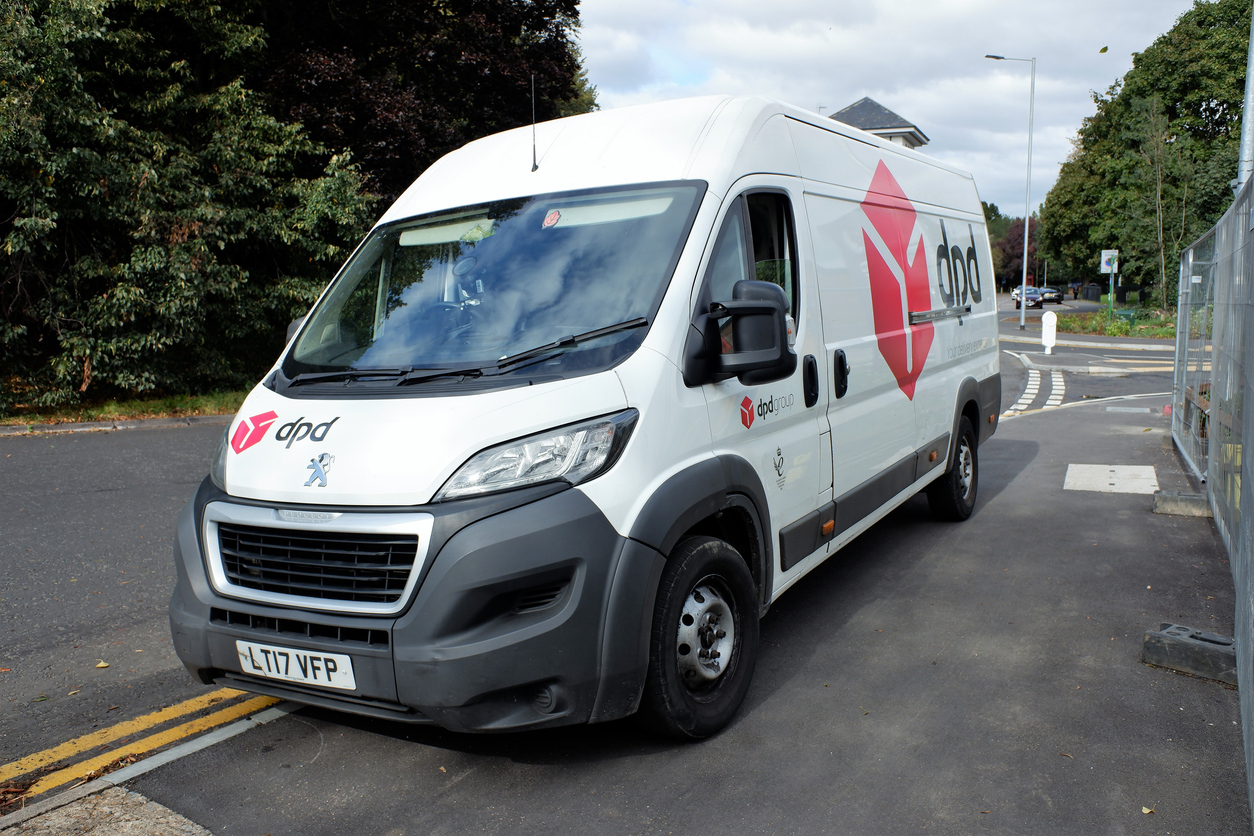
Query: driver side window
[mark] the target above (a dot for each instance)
(730, 261)
(771, 230)
(766, 253)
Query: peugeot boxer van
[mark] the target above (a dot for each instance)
(580, 407)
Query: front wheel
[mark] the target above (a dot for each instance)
(704, 643)
(952, 496)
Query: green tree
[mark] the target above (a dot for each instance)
(997, 222)
(157, 226)
(1008, 253)
(1160, 181)
(403, 82)
(1149, 171)
(997, 225)
(585, 98)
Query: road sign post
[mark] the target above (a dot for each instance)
(1110, 264)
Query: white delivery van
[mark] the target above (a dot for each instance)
(559, 432)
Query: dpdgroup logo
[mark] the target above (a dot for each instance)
(767, 408)
(251, 430)
(746, 412)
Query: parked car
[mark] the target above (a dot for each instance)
(1052, 294)
(1034, 298)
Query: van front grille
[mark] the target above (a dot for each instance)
(293, 628)
(339, 566)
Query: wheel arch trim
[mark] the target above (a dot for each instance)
(696, 493)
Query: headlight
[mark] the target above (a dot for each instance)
(576, 453)
(217, 470)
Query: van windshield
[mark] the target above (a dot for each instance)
(466, 289)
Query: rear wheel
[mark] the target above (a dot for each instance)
(704, 642)
(952, 496)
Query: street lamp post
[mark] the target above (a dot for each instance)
(1027, 197)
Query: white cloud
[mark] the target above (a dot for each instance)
(920, 58)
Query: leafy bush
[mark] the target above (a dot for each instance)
(1117, 327)
(1150, 323)
(164, 213)
(157, 228)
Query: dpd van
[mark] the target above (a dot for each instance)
(581, 407)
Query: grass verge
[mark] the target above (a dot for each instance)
(171, 406)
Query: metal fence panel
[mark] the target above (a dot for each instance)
(1193, 347)
(1214, 364)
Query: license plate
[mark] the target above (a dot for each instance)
(328, 670)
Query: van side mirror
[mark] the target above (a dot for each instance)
(759, 338)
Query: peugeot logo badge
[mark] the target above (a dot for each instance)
(319, 466)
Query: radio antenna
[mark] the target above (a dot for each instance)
(534, 165)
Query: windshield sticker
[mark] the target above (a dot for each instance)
(552, 218)
(301, 429)
(251, 430)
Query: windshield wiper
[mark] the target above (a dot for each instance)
(345, 374)
(423, 375)
(565, 342)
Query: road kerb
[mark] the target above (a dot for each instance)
(135, 770)
(147, 744)
(115, 732)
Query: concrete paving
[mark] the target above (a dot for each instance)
(113, 812)
(982, 677)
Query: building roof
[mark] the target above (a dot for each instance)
(871, 116)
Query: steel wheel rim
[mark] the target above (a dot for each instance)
(966, 471)
(706, 635)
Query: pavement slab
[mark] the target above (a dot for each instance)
(114, 812)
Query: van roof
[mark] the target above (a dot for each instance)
(712, 138)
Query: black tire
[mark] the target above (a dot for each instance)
(705, 586)
(952, 496)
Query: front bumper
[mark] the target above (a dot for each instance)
(531, 611)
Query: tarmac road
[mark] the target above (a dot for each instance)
(86, 521)
(980, 677)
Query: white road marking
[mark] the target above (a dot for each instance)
(1056, 389)
(1029, 393)
(1008, 415)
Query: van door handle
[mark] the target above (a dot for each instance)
(841, 364)
(810, 380)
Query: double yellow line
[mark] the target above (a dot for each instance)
(80, 745)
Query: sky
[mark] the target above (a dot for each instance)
(922, 59)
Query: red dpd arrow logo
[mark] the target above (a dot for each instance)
(251, 430)
(893, 217)
(746, 412)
